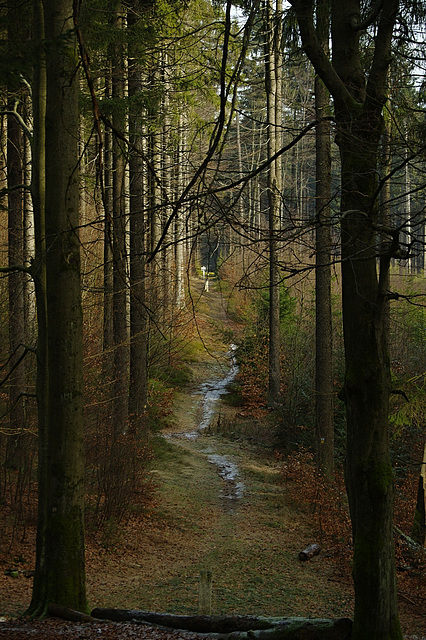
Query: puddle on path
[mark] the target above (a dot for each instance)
(233, 488)
(211, 392)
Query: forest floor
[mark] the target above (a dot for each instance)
(221, 506)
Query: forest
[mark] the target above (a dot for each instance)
(155, 153)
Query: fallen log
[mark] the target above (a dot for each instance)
(309, 552)
(197, 623)
(238, 627)
(300, 629)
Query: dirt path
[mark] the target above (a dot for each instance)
(250, 543)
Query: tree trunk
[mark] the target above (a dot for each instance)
(107, 329)
(369, 476)
(368, 472)
(419, 524)
(180, 243)
(274, 196)
(15, 178)
(138, 388)
(119, 250)
(153, 198)
(323, 323)
(38, 189)
(60, 569)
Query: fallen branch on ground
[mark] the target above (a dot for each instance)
(309, 552)
(239, 627)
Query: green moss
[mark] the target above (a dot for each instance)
(380, 477)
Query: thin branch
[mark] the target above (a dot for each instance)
(369, 19)
(20, 120)
(16, 268)
(27, 350)
(16, 187)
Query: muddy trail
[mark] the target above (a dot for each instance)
(208, 396)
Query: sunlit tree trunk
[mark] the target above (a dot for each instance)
(180, 222)
(15, 178)
(153, 195)
(38, 191)
(323, 324)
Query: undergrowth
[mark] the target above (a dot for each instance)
(325, 502)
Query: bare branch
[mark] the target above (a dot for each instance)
(14, 112)
(26, 351)
(304, 12)
(16, 268)
(369, 19)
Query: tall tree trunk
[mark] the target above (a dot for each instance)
(180, 243)
(38, 190)
(241, 221)
(60, 567)
(323, 324)
(274, 196)
(166, 164)
(138, 389)
(15, 178)
(107, 329)
(153, 195)
(368, 472)
(119, 249)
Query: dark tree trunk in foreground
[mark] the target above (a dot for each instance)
(60, 567)
(358, 103)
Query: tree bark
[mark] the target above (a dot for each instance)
(419, 524)
(180, 244)
(324, 418)
(60, 567)
(15, 178)
(107, 329)
(273, 106)
(119, 249)
(369, 478)
(38, 191)
(138, 388)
